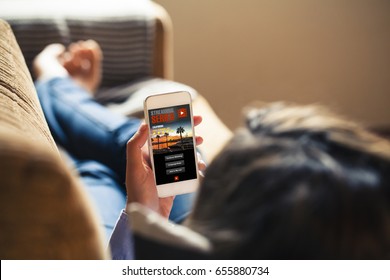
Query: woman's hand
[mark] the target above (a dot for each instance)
(140, 183)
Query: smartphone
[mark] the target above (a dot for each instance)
(172, 143)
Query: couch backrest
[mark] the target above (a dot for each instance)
(44, 213)
(124, 29)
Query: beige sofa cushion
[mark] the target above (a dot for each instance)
(44, 213)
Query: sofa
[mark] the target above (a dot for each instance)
(137, 42)
(45, 214)
(45, 211)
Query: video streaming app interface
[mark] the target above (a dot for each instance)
(172, 144)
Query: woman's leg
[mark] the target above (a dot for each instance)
(106, 193)
(84, 128)
(88, 131)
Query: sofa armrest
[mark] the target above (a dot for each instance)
(20, 111)
(44, 213)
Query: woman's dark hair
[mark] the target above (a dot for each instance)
(297, 183)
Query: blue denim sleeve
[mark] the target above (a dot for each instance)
(121, 241)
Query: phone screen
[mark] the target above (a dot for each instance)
(172, 143)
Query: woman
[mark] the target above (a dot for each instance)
(298, 182)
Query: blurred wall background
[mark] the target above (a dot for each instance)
(333, 52)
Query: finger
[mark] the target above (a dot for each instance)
(201, 165)
(134, 147)
(66, 57)
(198, 140)
(167, 200)
(73, 47)
(197, 120)
(94, 47)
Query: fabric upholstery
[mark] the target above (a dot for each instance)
(44, 213)
(124, 29)
(20, 108)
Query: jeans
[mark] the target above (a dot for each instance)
(95, 140)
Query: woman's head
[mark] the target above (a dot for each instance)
(297, 182)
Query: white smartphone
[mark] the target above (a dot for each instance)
(172, 143)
